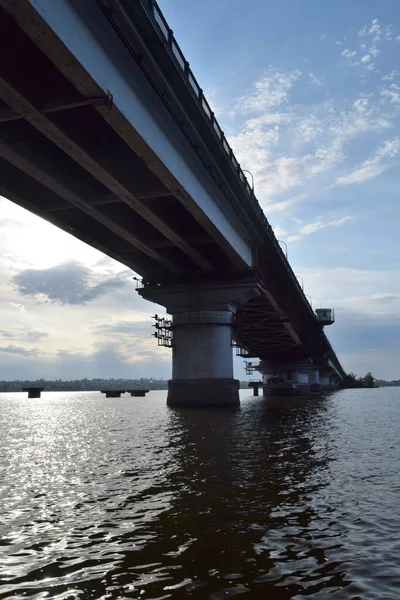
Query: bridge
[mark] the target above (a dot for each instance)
(106, 133)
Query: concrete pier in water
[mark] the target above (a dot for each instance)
(137, 393)
(112, 393)
(33, 392)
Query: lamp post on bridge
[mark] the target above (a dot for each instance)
(282, 242)
(252, 178)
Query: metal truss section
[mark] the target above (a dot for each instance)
(260, 331)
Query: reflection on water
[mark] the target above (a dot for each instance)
(126, 498)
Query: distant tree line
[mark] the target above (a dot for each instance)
(89, 385)
(96, 384)
(383, 383)
(352, 381)
(85, 385)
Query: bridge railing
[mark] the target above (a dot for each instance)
(167, 36)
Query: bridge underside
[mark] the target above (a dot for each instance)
(69, 156)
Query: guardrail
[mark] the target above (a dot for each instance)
(167, 37)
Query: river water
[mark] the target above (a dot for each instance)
(126, 498)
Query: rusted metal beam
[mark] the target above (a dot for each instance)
(30, 113)
(36, 172)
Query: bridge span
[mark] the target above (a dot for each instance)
(105, 132)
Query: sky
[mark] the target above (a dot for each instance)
(308, 94)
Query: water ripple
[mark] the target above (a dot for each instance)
(129, 499)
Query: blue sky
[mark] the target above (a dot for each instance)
(308, 94)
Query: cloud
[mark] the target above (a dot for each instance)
(366, 333)
(36, 336)
(382, 362)
(392, 93)
(280, 232)
(366, 58)
(316, 226)
(20, 350)
(123, 328)
(68, 283)
(17, 306)
(271, 90)
(390, 76)
(314, 79)
(373, 51)
(23, 333)
(294, 147)
(351, 289)
(385, 298)
(283, 206)
(107, 360)
(373, 166)
(5, 223)
(7, 334)
(256, 140)
(348, 54)
(309, 128)
(372, 305)
(388, 33)
(375, 30)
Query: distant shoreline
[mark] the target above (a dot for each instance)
(95, 385)
(89, 385)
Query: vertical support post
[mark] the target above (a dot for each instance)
(324, 380)
(313, 380)
(202, 359)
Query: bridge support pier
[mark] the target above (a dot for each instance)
(202, 360)
(33, 392)
(325, 381)
(314, 380)
(202, 357)
(294, 379)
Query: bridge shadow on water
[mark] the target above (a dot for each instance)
(242, 519)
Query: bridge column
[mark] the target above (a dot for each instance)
(333, 381)
(313, 380)
(202, 357)
(324, 380)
